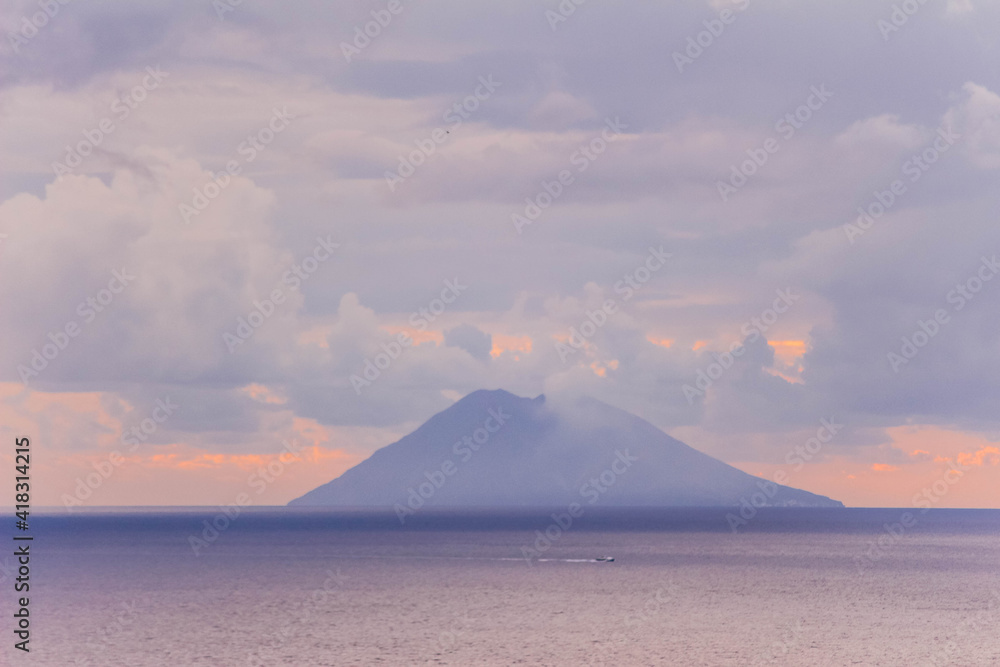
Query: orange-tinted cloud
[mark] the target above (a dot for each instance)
(793, 379)
(662, 342)
(884, 467)
(182, 474)
(588, 346)
(980, 457)
(788, 351)
(67, 419)
(262, 394)
(502, 343)
(184, 457)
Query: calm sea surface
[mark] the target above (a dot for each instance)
(310, 588)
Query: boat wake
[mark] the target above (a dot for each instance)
(602, 559)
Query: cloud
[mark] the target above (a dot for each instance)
(657, 183)
(977, 117)
(472, 340)
(189, 283)
(959, 7)
(980, 457)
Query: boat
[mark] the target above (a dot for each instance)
(605, 559)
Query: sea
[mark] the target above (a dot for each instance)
(170, 587)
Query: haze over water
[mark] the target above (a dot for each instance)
(292, 587)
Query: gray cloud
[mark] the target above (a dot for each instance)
(656, 184)
(467, 337)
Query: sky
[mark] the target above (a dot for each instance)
(244, 245)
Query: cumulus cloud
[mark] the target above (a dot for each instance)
(655, 183)
(467, 337)
(977, 116)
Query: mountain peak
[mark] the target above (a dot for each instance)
(494, 448)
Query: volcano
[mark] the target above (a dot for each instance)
(495, 449)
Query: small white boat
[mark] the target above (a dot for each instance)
(605, 559)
